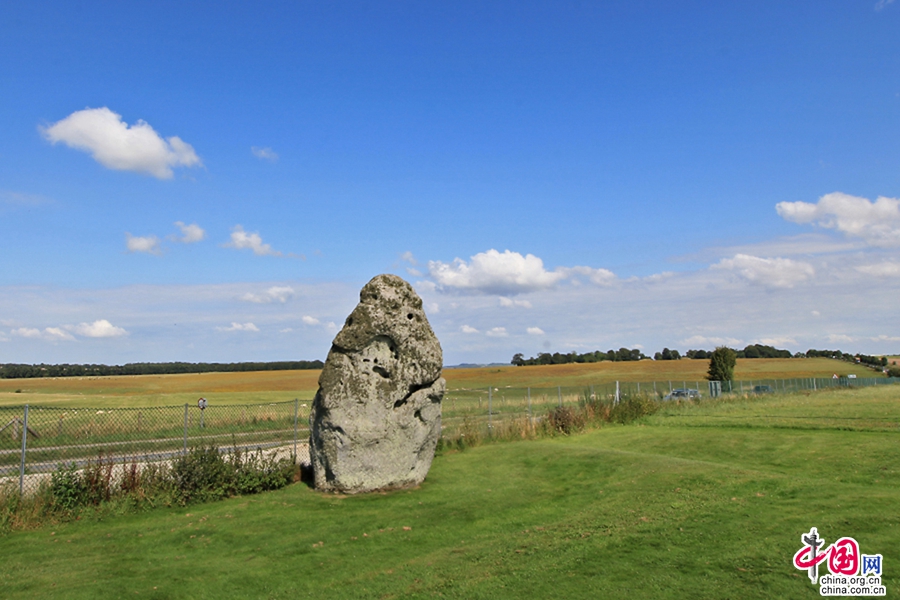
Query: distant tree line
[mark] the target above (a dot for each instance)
(667, 354)
(874, 361)
(545, 358)
(751, 351)
(17, 371)
(763, 351)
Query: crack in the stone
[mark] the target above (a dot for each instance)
(412, 390)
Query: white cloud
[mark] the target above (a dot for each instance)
(310, 320)
(508, 273)
(148, 244)
(433, 308)
(115, 145)
(597, 276)
(509, 302)
(279, 294)
(497, 332)
(412, 270)
(468, 329)
(709, 341)
(55, 333)
(264, 153)
(881, 4)
(884, 269)
(98, 329)
(52, 334)
(18, 199)
(658, 277)
(777, 341)
(190, 234)
(241, 240)
(495, 272)
(535, 331)
(26, 332)
(886, 338)
(837, 338)
(692, 305)
(877, 223)
(768, 272)
(239, 327)
(804, 244)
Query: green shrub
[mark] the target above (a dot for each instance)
(9, 505)
(566, 420)
(631, 408)
(251, 472)
(97, 480)
(68, 490)
(201, 475)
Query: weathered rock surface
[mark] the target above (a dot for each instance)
(376, 418)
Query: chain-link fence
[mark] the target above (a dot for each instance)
(36, 440)
(491, 409)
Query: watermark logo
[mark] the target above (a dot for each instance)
(851, 573)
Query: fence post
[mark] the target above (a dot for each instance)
(529, 405)
(185, 428)
(559, 395)
(296, 410)
(490, 409)
(24, 449)
(617, 392)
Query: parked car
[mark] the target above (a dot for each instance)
(683, 394)
(762, 389)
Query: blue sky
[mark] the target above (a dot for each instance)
(216, 181)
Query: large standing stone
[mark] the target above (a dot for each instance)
(376, 418)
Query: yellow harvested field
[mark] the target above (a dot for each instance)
(162, 390)
(647, 370)
(280, 386)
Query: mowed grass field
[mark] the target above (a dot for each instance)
(281, 386)
(703, 500)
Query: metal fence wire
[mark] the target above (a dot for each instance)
(492, 409)
(37, 440)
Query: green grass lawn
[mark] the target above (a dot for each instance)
(703, 501)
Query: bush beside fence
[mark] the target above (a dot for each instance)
(35, 441)
(510, 412)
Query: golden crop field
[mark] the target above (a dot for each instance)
(646, 370)
(281, 386)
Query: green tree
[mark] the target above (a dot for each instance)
(721, 366)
